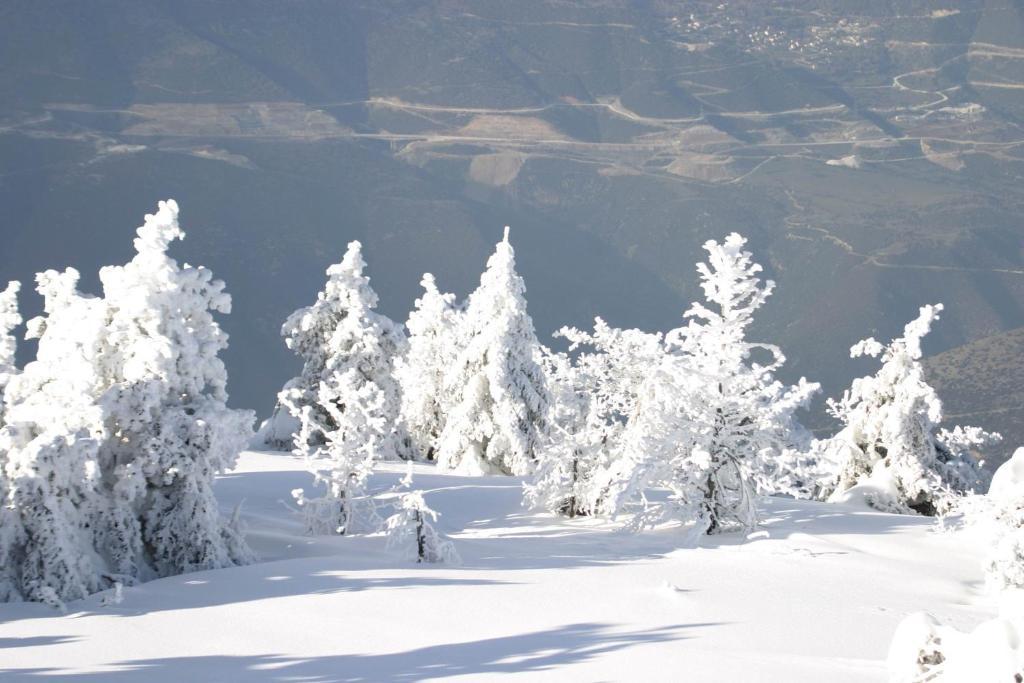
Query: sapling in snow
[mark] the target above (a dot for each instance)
(890, 441)
(411, 532)
(346, 400)
(500, 397)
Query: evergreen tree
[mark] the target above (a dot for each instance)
(890, 438)
(9, 319)
(346, 400)
(52, 428)
(500, 397)
(711, 422)
(594, 391)
(169, 429)
(432, 348)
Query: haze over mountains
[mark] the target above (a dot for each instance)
(873, 152)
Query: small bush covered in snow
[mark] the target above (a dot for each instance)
(411, 532)
(923, 650)
(890, 444)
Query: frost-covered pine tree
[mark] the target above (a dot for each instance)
(411, 532)
(169, 429)
(49, 441)
(594, 389)
(564, 461)
(890, 440)
(113, 435)
(420, 372)
(9, 319)
(347, 399)
(711, 421)
(500, 397)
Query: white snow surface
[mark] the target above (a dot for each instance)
(815, 594)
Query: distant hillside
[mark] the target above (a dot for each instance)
(873, 152)
(983, 383)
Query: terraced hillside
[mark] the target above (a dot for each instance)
(873, 152)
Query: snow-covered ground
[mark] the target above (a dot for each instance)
(814, 595)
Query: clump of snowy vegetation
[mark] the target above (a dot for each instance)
(890, 449)
(923, 650)
(111, 438)
(410, 531)
(998, 518)
(346, 399)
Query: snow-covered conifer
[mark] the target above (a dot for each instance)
(711, 421)
(170, 431)
(420, 372)
(594, 389)
(48, 451)
(9, 319)
(500, 397)
(114, 434)
(559, 481)
(411, 532)
(347, 400)
(890, 441)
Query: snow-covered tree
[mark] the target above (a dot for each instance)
(890, 441)
(500, 397)
(9, 319)
(711, 421)
(559, 480)
(594, 389)
(420, 372)
(52, 428)
(411, 532)
(169, 429)
(347, 400)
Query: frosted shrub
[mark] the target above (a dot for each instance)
(411, 532)
(890, 443)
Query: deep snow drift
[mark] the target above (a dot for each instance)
(815, 594)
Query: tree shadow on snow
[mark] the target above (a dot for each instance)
(524, 653)
(241, 584)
